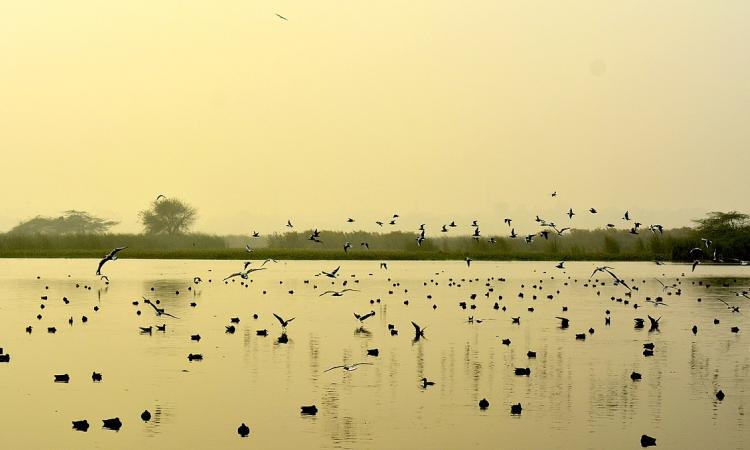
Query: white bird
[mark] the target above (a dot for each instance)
(348, 367)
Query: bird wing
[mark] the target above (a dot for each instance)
(236, 274)
(417, 329)
(101, 263)
(335, 270)
(170, 315)
(334, 367)
(327, 292)
(369, 314)
(281, 321)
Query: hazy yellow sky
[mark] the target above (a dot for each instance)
(435, 110)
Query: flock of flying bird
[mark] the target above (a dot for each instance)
(333, 276)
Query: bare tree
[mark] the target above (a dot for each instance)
(168, 216)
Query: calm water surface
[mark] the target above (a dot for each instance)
(579, 394)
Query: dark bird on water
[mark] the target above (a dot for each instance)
(720, 395)
(647, 441)
(484, 404)
(426, 383)
(146, 416)
(81, 425)
(516, 409)
(96, 377)
(111, 256)
(243, 430)
(64, 378)
(112, 424)
(309, 410)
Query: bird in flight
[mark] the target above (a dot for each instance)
(617, 279)
(289, 223)
(283, 322)
(280, 16)
(347, 246)
(331, 274)
(570, 213)
(418, 331)
(160, 196)
(112, 256)
(159, 311)
(337, 293)
(256, 234)
(243, 274)
(348, 367)
(364, 317)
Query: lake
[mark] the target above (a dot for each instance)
(579, 393)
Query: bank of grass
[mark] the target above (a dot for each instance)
(304, 254)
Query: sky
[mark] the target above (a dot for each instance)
(435, 110)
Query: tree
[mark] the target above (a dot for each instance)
(722, 222)
(71, 222)
(611, 246)
(168, 216)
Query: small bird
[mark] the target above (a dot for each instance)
(111, 256)
(289, 221)
(244, 430)
(570, 213)
(337, 293)
(468, 261)
(158, 311)
(331, 274)
(96, 377)
(364, 317)
(484, 403)
(560, 265)
(283, 322)
(112, 424)
(418, 331)
(81, 425)
(347, 246)
(426, 383)
(146, 416)
(647, 441)
(348, 367)
(310, 410)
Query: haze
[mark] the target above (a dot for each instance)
(435, 110)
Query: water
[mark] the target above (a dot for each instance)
(579, 394)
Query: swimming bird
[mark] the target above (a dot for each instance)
(244, 430)
(111, 256)
(310, 410)
(112, 424)
(283, 322)
(145, 415)
(426, 383)
(348, 367)
(647, 441)
(81, 425)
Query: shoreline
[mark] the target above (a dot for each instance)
(298, 254)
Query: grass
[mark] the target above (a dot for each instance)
(304, 254)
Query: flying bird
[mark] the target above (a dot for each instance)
(283, 322)
(337, 293)
(280, 16)
(364, 317)
(158, 311)
(112, 256)
(348, 367)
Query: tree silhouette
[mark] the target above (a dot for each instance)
(168, 216)
(71, 222)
